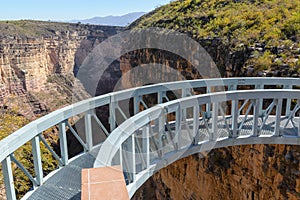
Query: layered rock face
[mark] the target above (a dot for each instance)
(25, 63)
(36, 74)
(249, 172)
(237, 36)
(240, 172)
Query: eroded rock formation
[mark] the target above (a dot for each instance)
(240, 172)
(28, 63)
(30, 66)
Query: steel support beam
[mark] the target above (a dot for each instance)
(256, 110)
(235, 115)
(37, 160)
(88, 130)
(288, 101)
(178, 121)
(8, 179)
(63, 143)
(196, 124)
(112, 116)
(278, 117)
(146, 146)
(214, 131)
(260, 101)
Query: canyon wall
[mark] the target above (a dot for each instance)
(39, 67)
(36, 75)
(27, 62)
(241, 172)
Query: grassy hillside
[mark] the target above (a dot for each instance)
(11, 121)
(273, 24)
(236, 21)
(32, 28)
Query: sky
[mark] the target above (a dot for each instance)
(72, 9)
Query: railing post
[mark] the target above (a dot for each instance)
(235, 115)
(146, 146)
(208, 105)
(214, 132)
(184, 94)
(260, 101)
(278, 117)
(255, 116)
(112, 116)
(178, 128)
(63, 143)
(88, 129)
(288, 101)
(130, 158)
(159, 97)
(136, 102)
(133, 157)
(161, 133)
(196, 124)
(37, 160)
(232, 88)
(8, 179)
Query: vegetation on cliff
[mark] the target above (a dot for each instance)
(34, 29)
(47, 52)
(31, 28)
(17, 111)
(10, 121)
(267, 33)
(269, 28)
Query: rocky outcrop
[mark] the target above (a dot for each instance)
(36, 68)
(25, 63)
(36, 73)
(240, 172)
(244, 172)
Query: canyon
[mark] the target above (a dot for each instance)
(33, 67)
(240, 37)
(37, 63)
(37, 75)
(240, 172)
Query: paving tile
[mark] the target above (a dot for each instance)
(104, 183)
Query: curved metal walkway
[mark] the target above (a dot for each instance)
(160, 135)
(66, 183)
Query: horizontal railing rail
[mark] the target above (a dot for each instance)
(130, 145)
(33, 132)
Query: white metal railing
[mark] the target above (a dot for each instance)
(34, 131)
(141, 146)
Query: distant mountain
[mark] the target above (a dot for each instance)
(123, 20)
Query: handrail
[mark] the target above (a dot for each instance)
(134, 127)
(113, 143)
(16, 140)
(33, 131)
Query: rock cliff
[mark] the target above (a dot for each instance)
(28, 63)
(37, 65)
(244, 38)
(37, 62)
(240, 172)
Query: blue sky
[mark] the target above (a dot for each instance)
(72, 9)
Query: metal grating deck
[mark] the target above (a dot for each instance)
(66, 183)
